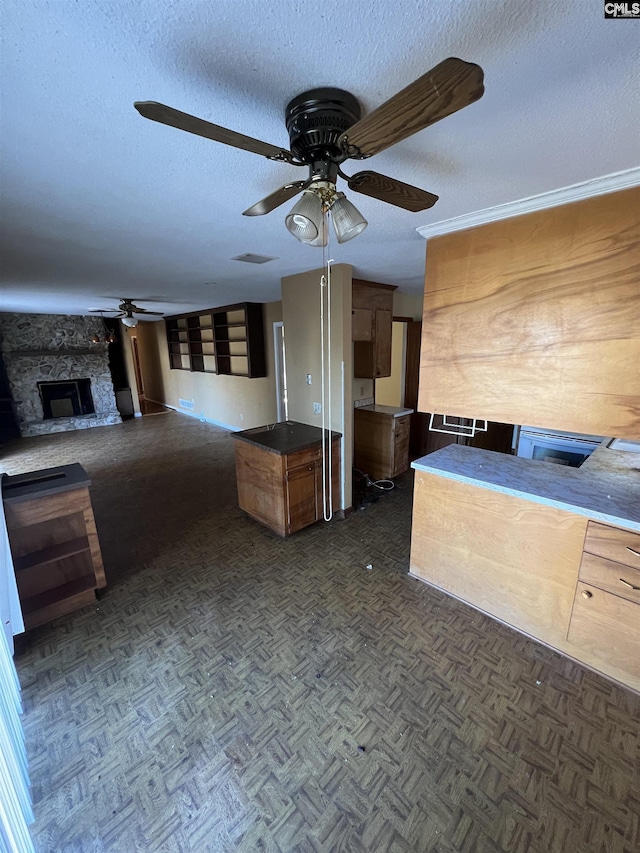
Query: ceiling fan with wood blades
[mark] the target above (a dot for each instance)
(126, 311)
(326, 128)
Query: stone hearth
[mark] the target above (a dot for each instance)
(51, 348)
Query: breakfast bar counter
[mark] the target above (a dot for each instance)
(552, 551)
(606, 487)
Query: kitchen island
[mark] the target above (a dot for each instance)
(279, 474)
(552, 551)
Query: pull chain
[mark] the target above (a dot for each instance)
(325, 343)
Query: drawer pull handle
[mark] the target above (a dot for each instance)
(626, 583)
(636, 553)
(587, 594)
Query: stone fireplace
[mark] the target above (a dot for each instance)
(59, 379)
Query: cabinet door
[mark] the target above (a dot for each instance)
(361, 324)
(363, 359)
(606, 626)
(493, 293)
(401, 445)
(382, 347)
(302, 496)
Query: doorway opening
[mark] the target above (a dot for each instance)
(281, 371)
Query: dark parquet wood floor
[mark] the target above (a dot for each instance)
(235, 692)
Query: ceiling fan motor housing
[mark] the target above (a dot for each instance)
(317, 119)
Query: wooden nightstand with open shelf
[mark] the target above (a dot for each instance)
(54, 541)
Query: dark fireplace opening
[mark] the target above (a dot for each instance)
(66, 399)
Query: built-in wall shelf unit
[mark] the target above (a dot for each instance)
(227, 340)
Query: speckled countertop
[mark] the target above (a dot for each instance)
(606, 487)
(386, 410)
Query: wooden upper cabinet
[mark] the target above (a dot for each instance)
(372, 319)
(362, 324)
(536, 319)
(383, 324)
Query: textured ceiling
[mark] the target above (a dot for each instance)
(99, 203)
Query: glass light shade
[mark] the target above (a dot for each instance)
(323, 235)
(95, 339)
(131, 322)
(347, 219)
(305, 219)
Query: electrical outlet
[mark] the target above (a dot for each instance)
(241, 416)
(317, 409)
(309, 380)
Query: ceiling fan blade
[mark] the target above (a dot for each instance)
(183, 121)
(266, 205)
(450, 86)
(392, 191)
(144, 311)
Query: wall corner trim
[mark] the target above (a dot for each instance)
(554, 198)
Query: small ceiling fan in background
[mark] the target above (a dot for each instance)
(325, 129)
(126, 311)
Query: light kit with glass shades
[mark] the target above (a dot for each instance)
(306, 221)
(126, 311)
(325, 129)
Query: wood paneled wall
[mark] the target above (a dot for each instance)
(536, 319)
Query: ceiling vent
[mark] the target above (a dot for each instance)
(249, 258)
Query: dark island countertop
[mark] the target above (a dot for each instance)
(39, 484)
(285, 437)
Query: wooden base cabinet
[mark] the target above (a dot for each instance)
(381, 441)
(522, 562)
(605, 621)
(284, 490)
(54, 542)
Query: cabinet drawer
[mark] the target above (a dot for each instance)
(402, 425)
(623, 546)
(606, 626)
(303, 457)
(613, 577)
